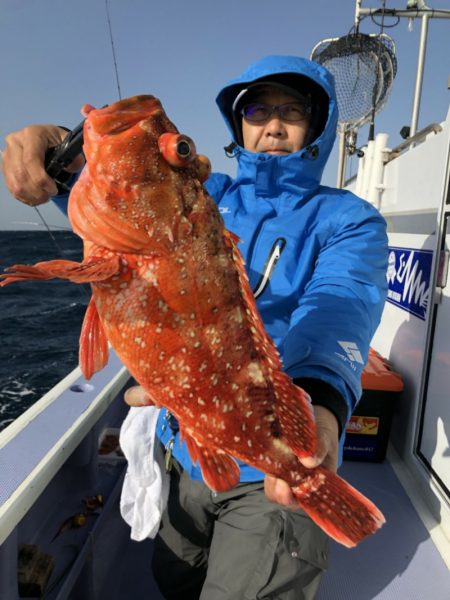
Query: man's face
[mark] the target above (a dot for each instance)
(274, 136)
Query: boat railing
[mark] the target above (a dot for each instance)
(420, 136)
(37, 444)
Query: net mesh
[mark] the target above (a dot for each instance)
(364, 67)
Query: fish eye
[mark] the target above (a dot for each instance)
(183, 149)
(178, 150)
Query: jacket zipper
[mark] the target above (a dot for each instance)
(271, 261)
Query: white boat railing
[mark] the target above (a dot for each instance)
(37, 444)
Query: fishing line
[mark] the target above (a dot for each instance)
(108, 17)
(57, 246)
(41, 217)
(84, 287)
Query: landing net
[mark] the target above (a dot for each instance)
(364, 67)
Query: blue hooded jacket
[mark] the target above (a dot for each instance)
(316, 256)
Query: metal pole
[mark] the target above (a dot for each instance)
(357, 13)
(419, 77)
(411, 13)
(342, 158)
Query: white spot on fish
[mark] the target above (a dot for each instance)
(255, 373)
(237, 316)
(280, 445)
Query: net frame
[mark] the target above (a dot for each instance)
(364, 67)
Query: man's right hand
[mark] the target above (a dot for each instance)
(23, 163)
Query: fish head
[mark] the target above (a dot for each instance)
(134, 139)
(140, 173)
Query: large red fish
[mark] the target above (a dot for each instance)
(170, 293)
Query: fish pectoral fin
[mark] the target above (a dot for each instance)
(90, 270)
(94, 351)
(24, 273)
(220, 470)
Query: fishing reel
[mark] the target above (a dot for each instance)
(59, 157)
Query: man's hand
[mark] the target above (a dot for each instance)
(137, 396)
(278, 490)
(23, 163)
(275, 489)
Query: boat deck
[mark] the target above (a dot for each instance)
(100, 562)
(400, 561)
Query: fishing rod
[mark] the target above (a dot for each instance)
(59, 157)
(56, 159)
(62, 155)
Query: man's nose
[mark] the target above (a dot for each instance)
(275, 126)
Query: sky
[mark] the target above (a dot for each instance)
(55, 55)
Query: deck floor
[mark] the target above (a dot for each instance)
(400, 561)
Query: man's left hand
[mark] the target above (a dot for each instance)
(277, 490)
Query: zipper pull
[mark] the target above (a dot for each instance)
(168, 461)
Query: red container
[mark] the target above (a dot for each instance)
(367, 432)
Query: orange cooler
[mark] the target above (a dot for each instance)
(367, 432)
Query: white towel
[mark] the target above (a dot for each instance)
(146, 485)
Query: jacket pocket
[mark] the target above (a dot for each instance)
(304, 540)
(292, 560)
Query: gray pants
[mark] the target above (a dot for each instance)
(235, 545)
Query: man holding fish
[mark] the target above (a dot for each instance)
(316, 259)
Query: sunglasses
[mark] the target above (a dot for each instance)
(291, 112)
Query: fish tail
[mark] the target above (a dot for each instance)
(339, 509)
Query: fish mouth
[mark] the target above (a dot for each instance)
(123, 114)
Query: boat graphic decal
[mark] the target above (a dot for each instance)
(409, 275)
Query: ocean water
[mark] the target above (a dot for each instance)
(40, 321)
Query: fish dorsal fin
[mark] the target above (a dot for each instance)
(220, 471)
(293, 407)
(296, 416)
(261, 337)
(93, 343)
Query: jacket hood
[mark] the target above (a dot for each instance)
(295, 71)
